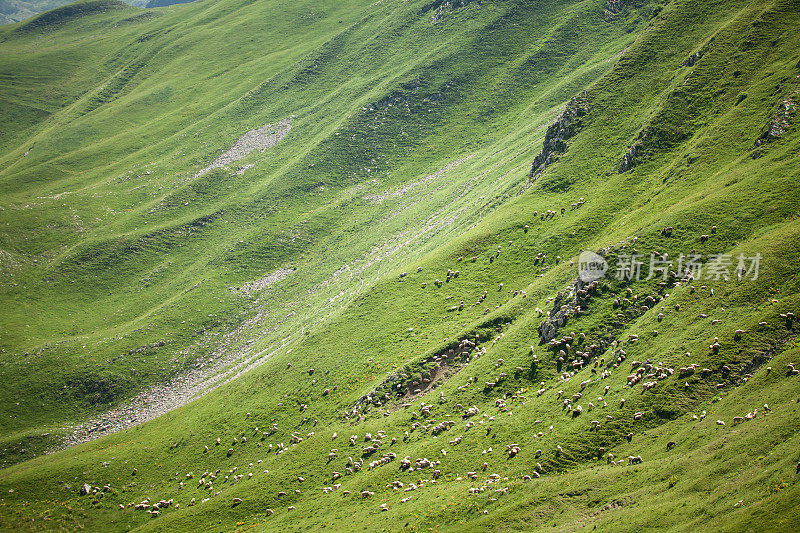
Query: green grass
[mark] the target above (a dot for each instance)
(109, 245)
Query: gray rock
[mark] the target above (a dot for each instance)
(565, 127)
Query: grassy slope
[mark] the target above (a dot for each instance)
(118, 254)
(12, 11)
(704, 177)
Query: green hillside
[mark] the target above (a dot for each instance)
(294, 265)
(12, 11)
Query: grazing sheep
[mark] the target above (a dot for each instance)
(513, 449)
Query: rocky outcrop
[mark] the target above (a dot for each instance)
(557, 317)
(634, 153)
(569, 302)
(629, 159)
(694, 58)
(441, 7)
(420, 377)
(568, 123)
(698, 55)
(613, 7)
(777, 126)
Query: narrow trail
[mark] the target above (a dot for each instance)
(165, 397)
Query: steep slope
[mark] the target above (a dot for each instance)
(122, 259)
(410, 157)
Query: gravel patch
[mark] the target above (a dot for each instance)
(270, 279)
(165, 397)
(257, 139)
